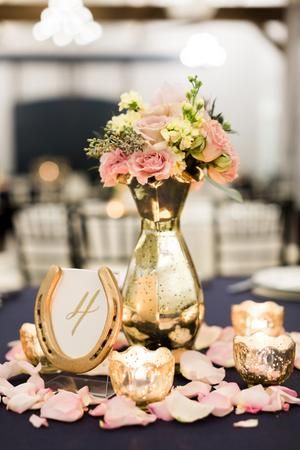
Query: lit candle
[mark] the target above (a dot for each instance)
(143, 375)
(263, 359)
(250, 317)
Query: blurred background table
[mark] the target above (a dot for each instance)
(276, 431)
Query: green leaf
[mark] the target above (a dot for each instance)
(230, 192)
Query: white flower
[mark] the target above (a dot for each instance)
(131, 100)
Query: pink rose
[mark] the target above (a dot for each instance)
(227, 175)
(151, 163)
(216, 140)
(167, 102)
(113, 164)
(150, 127)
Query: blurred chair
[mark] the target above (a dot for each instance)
(107, 240)
(249, 237)
(44, 238)
(199, 234)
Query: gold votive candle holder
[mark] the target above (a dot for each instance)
(33, 350)
(251, 317)
(263, 359)
(143, 375)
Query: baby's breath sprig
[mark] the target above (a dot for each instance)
(127, 140)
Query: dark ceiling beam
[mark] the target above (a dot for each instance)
(31, 12)
(257, 15)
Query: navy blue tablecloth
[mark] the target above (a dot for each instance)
(276, 431)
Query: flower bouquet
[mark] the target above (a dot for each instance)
(178, 136)
(159, 151)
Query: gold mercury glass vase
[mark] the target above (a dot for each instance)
(163, 298)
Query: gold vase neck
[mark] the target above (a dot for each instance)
(160, 202)
(162, 225)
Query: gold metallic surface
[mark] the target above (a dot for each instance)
(143, 375)
(33, 350)
(46, 334)
(250, 317)
(162, 296)
(263, 359)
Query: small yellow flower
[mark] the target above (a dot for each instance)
(122, 121)
(131, 100)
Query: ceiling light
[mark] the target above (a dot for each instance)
(203, 50)
(65, 21)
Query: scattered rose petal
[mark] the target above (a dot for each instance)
(122, 411)
(275, 403)
(13, 368)
(229, 390)
(194, 389)
(15, 352)
(37, 421)
(251, 400)
(227, 334)
(20, 402)
(221, 404)
(196, 366)
(87, 398)
(5, 386)
(206, 336)
(64, 406)
(250, 423)
(160, 410)
(221, 353)
(286, 395)
(185, 410)
(37, 381)
(100, 409)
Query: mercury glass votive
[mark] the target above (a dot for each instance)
(144, 375)
(250, 317)
(32, 349)
(263, 359)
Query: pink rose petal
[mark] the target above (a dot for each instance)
(286, 395)
(64, 406)
(5, 386)
(227, 334)
(194, 389)
(122, 411)
(250, 423)
(195, 366)
(20, 402)
(229, 390)
(275, 403)
(15, 352)
(251, 400)
(13, 368)
(37, 381)
(160, 410)
(221, 353)
(206, 336)
(185, 410)
(37, 421)
(221, 404)
(100, 409)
